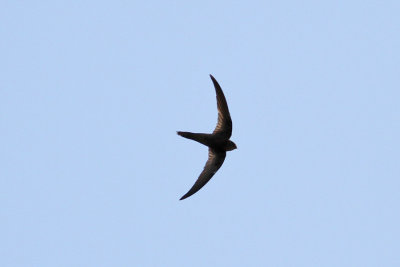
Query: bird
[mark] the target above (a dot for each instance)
(218, 142)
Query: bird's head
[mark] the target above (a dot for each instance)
(230, 146)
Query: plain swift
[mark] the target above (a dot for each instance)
(218, 142)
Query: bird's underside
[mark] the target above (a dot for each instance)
(218, 142)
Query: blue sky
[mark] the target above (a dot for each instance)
(93, 92)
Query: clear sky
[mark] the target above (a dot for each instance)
(93, 92)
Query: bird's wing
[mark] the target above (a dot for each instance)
(224, 124)
(214, 162)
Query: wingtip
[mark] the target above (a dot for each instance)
(183, 197)
(188, 194)
(214, 81)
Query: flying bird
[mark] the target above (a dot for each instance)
(218, 142)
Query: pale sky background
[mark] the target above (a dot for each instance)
(93, 92)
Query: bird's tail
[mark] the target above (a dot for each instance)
(198, 137)
(186, 134)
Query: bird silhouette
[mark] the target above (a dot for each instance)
(218, 142)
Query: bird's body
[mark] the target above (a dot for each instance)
(218, 142)
(211, 140)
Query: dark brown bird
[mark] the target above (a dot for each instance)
(218, 142)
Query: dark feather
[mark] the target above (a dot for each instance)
(224, 124)
(214, 162)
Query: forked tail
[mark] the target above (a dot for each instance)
(198, 137)
(186, 134)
